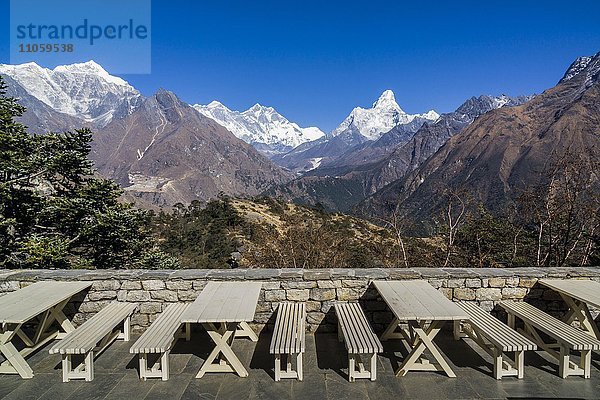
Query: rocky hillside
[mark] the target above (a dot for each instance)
(508, 150)
(166, 152)
(344, 182)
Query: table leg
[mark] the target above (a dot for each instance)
(425, 341)
(244, 330)
(223, 338)
(15, 363)
(579, 311)
(391, 331)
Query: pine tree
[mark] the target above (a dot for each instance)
(55, 212)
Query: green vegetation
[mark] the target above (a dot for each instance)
(54, 213)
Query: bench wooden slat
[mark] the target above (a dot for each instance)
(566, 334)
(287, 342)
(360, 341)
(288, 334)
(84, 338)
(358, 333)
(500, 334)
(159, 337)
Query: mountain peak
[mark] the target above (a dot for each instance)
(261, 125)
(259, 108)
(90, 68)
(580, 65)
(381, 118)
(387, 100)
(215, 104)
(84, 90)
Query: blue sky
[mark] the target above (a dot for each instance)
(316, 60)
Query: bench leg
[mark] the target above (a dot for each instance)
(497, 363)
(520, 363)
(356, 366)
(277, 367)
(299, 367)
(160, 369)
(66, 367)
(143, 359)
(458, 330)
(586, 363)
(89, 366)
(164, 366)
(289, 372)
(126, 333)
(563, 362)
(85, 370)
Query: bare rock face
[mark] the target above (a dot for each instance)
(505, 148)
(165, 152)
(344, 182)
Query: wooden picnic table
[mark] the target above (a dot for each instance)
(39, 305)
(224, 310)
(425, 310)
(578, 294)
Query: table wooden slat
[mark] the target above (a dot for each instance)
(417, 300)
(21, 305)
(224, 302)
(583, 290)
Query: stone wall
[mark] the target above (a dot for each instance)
(153, 290)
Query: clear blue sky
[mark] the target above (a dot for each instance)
(316, 60)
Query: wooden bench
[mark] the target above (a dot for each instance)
(92, 338)
(566, 337)
(160, 338)
(361, 342)
(497, 339)
(289, 339)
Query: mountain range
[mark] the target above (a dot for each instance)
(362, 126)
(164, 151)
(347, 180)
(507, 150)
(263, 127)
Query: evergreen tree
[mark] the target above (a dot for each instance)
(54, 212)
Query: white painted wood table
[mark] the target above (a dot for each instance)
(578, 294)
(38, 305)
(425, 310)
(224, 310)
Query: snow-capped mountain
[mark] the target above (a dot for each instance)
(381, 118)
(83, 90)
(261, 126)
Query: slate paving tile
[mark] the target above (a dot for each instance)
(206, 388)
(386, 387)
(31, 389)
(234, 387)
(485, 385)
(8, 383)
(311, 388)
(98, 388)
(336, 387)
(526, 388)
(130, 387)
(325, 376)
(114, 358)
(61, 390)
(266, 388)
(172, 389)
(431, 385)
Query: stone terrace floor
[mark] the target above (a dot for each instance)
(325, 376)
